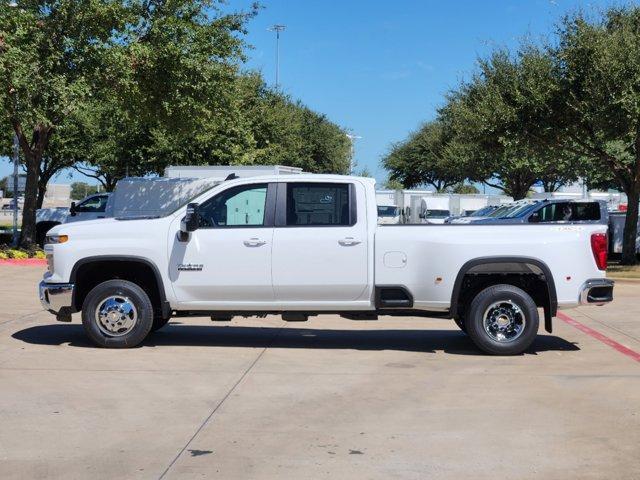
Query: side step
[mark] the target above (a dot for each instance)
(294, 317)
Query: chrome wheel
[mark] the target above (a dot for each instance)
(116, 316)
(504, 321)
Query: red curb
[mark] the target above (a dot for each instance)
(599, 336)
(24, 262)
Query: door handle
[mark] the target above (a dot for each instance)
(254, 242)
(349, 241)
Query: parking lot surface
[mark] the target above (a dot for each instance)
(406, 398)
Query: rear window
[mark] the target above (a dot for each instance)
(318, 204)
(570, 212)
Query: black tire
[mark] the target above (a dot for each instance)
(460, 323)
(507, 304)
(158, 323)
(120, 289)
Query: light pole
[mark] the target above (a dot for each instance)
(277, 28)
(352, 138)
(16, 163)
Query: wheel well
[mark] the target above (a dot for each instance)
(88, 275)
(527, 274)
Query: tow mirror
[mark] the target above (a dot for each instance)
(72, 209)
(191, 220)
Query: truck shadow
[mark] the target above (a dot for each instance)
(428, 341)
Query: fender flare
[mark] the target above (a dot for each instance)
(166, 308)
(549, 312)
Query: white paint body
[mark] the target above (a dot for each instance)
(310, 268)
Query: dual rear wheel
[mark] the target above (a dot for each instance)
(501, 320)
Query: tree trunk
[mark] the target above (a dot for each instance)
(630, 234)
(42, 191)
(28, 234)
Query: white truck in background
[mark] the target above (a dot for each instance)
(302, 245)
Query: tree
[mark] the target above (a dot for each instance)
(49, 54)
(494, 115)
(428, 157)
(597, 114)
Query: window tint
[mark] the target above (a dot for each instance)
(94, 204)
(318, 204)
(237, 206)
(570, 212)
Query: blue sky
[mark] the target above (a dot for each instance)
(380, 68)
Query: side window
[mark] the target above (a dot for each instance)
(318, 204)
(236, 207)
(94, 204)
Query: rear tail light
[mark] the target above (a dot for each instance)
(599, 249)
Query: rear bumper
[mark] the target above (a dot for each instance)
(596, 291)
(56, 297)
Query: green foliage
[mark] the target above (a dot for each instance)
(80, 190)
(429, 156)
(392, 184)
(463, 188)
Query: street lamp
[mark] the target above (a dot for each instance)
(352, 138)
(277, 28)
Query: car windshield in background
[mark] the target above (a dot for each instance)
(502, 211)
(481, 213)
(437, 213)
(387, 211)
(520, 211)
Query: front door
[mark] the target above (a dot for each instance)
(226, 263)
(320, 244)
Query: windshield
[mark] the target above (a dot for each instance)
(499, 212)
(521, 211)
(481, 213)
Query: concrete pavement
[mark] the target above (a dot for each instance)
(330, 398)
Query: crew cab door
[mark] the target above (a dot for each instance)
(320, 244)
(226, 262)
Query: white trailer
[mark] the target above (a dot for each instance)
(221, 172)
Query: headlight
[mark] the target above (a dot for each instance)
(57, 239)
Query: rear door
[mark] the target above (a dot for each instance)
(320, 243)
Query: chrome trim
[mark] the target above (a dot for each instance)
(55, 296)
(585, 291)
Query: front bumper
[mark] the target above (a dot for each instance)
(596, 291)
(56, 297)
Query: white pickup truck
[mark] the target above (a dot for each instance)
(303, 245)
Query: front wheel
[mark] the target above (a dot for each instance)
(502, 320)
(117, 314)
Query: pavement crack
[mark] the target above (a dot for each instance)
(221, 402)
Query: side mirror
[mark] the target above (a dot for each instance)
(72, 209)
(191, 220)
(535, 217)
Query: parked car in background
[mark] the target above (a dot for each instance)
(388, 215)
(89, 208)
(543, 211)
